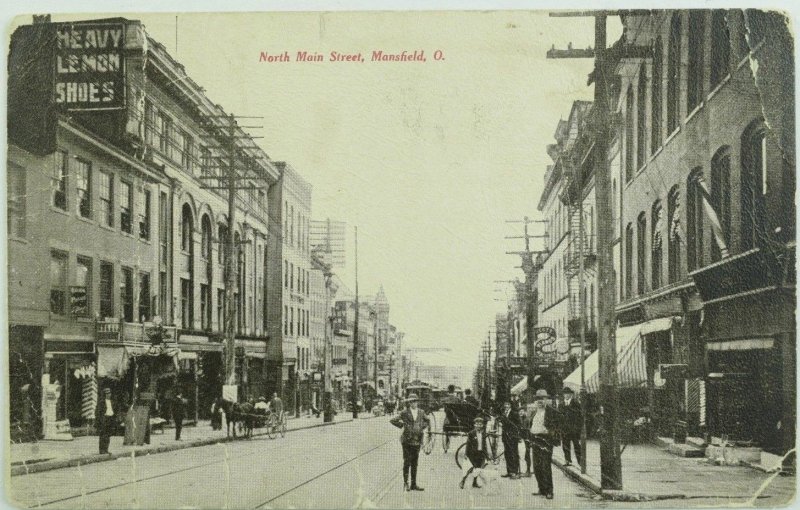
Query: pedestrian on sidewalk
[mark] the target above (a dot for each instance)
(216, 414)
(106, 420)
(525, 436)
(544, 421)
(571, 424)
(413, 422)
(178, 413)
(509, 419)
(476, 453)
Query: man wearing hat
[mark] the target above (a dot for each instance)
(543, 424)
(571, 424)
(413, 422)
(509, 419)
(106, 420)
(476, 451)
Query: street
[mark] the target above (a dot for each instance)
(354, 464)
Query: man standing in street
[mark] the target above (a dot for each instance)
(525, 435)
(509, 419)
(570, 426)
(276, 405)
(178, 413)
(106, 419)
(543, 422)
(413, 422)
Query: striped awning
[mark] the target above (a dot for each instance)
(631, 359)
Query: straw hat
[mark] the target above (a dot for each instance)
(412, 397)
(542, 394)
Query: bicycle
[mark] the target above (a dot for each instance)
(493, 444)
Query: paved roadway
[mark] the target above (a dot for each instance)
(355, 464)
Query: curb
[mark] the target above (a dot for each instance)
(40, 467)
(610, 495)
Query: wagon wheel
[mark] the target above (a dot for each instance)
(461, 456)
(270, 428)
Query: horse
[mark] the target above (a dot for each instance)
(246, 418)
(231, 415)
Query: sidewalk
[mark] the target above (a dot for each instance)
(47, 455)
(650, 473)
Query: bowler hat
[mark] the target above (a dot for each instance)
(542, 393)
(567, 389)
(412, 397)
(478, 419)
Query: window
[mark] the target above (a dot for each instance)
(205, 242)
(106, 182)
(674, 234)
(144, 297)
(144, 215)
(186, 304)
(291, 225)
(106, 289)
(629, 261)
(61, 170)
(187, 156)
(187, 228)
(83, 182)
(79, 294)
(754, 183)
(164, 128)
(164, 227)
(220, 309)
(655, 95)
(641, 254)
(205, 306)
(163, 302)
(58, 283)
(16, 201)
(641, 118)
(629, 127)
(223, 242)
(175, 144)
(720, 47)
(285, 320)
(205, 161)
(674, 73)
(656, 244)
(125, 214)
(721, 196)
(291, 276)
(285, 274)
(694, 72)
(149, 122)
(127, 294)
(291, 321)
(286, 222)
(694, 220)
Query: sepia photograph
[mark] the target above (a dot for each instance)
(496, 258)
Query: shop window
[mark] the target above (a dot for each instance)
(720, 47)
(674, 234)
(674, 73)
(656, 244)
(106, 289)
(754, 183)
(695, 70)
(60, 172)
(721, 196)
(125, 213)
(106, 185)
(127, 294)
(656, 95)
(83, 183)
(17, 201)
(641, 253)
(144, 297)
(694, 220)
(144, 215)
(58, 283)
(80, 293)
(641, 117)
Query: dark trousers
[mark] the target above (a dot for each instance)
(528, 456)
(511, 449)
(178, 427)
(542, 470)
(410, 460)
(104, 429)
(568, 442)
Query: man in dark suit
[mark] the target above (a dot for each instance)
(571, 424)
(470, 399)
(413, 422)
(509, 419)
(178, 413)
(476, 450)
(106, 420)
(544, 423)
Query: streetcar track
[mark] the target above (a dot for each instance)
(320, 475)
(170, 473)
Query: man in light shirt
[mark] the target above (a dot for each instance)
(543, 426)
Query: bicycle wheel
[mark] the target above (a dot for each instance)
(270, 428)
(461, 456)
(283, 426)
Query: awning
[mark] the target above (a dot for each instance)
(631, 362)
(112, 361)
(522, 385)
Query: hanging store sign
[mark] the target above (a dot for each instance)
(90, 66)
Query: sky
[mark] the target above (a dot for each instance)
(429, 159)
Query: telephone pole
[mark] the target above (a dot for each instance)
(610, 458)
(354, 397)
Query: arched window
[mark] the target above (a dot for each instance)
(655, 95)
(641, 253)
(629, 261)
(656, 244)
(187, 228)
(694, 74)
(641, 117)
(721, 196)
(205, 229)
(629, 126)
(754, 183)
(674, 234)
(720, 47)
(694, 220)
(223, 242)
(674, 73)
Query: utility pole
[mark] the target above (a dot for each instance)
(354, 397)
(375, 351)
(228, 178)
(610, 458)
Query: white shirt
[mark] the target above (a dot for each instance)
(414, 413)
(480, 441)
(109, 408)
(537, 421)
(260, 405)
